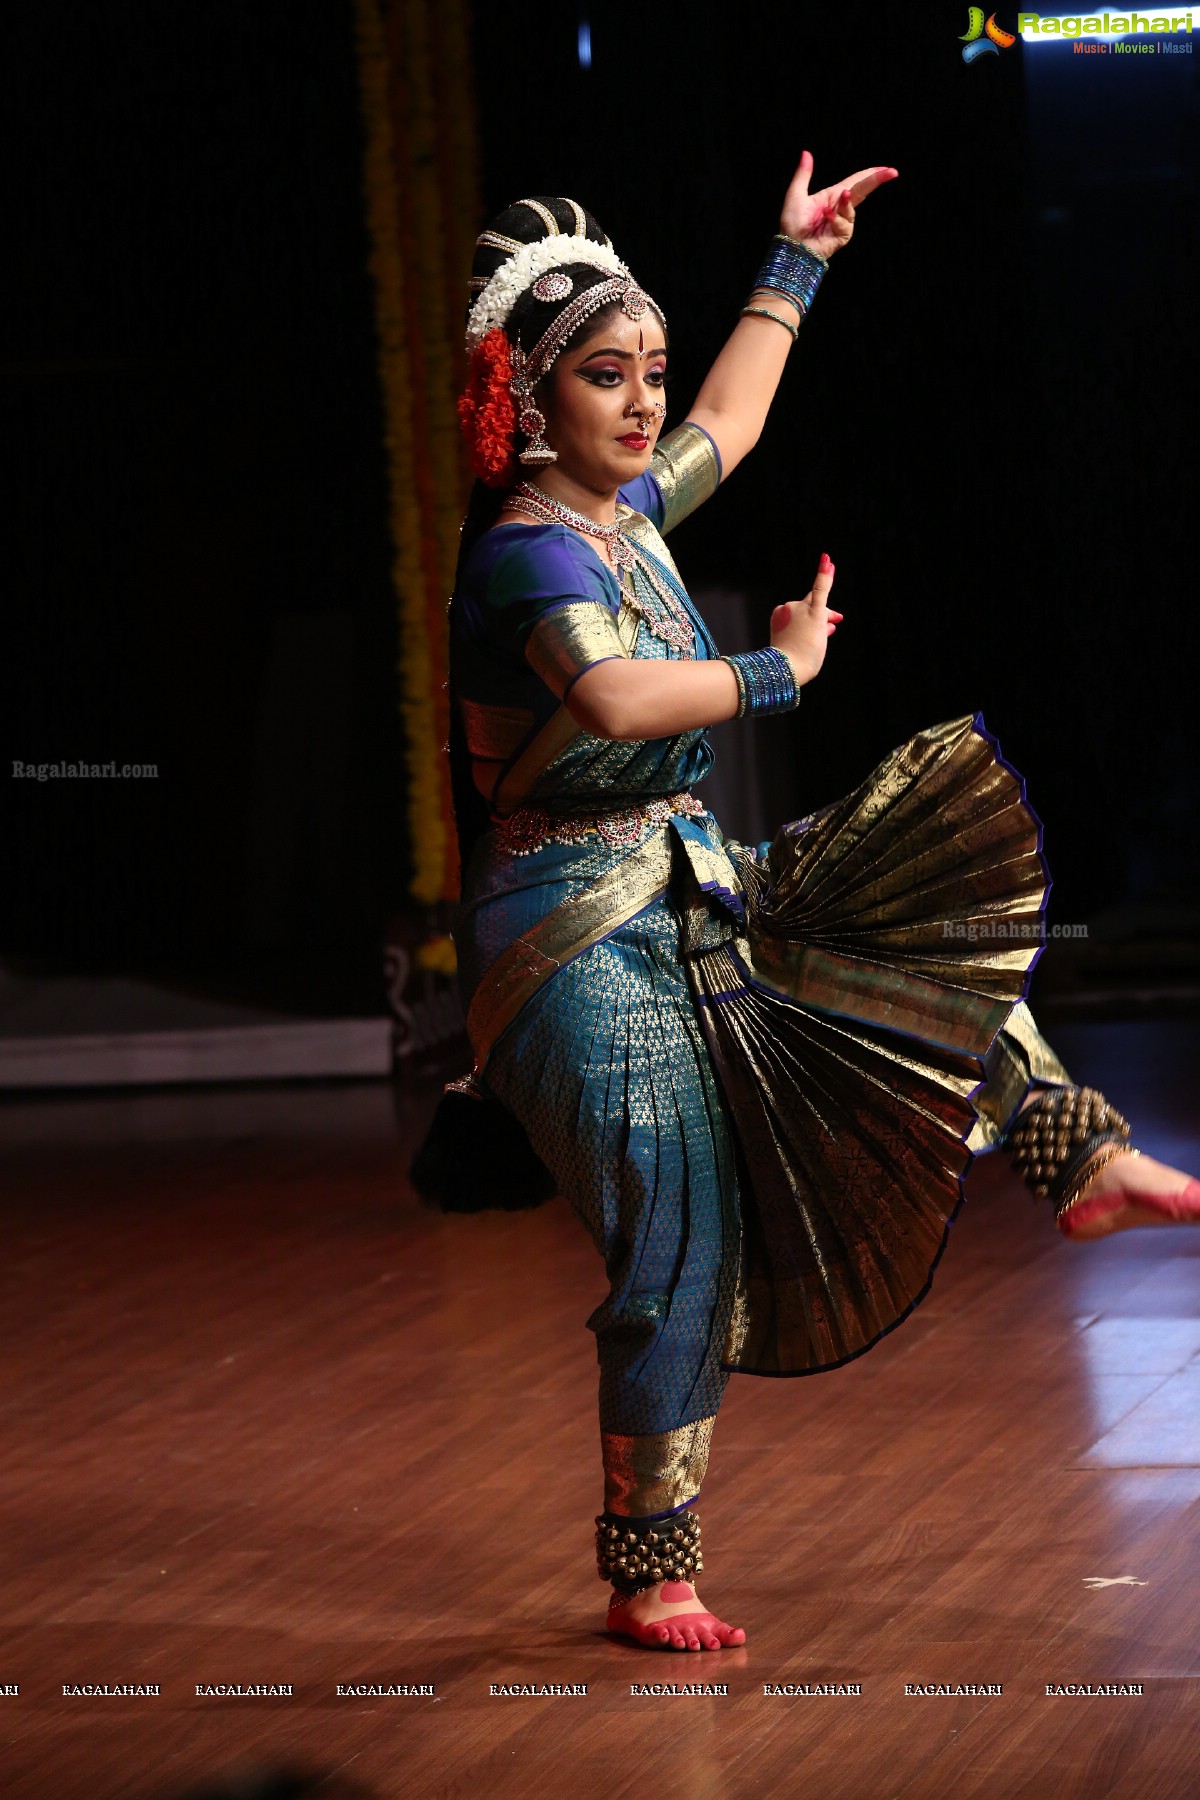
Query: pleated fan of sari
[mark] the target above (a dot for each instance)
(888, 937)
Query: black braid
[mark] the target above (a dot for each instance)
(529, 321)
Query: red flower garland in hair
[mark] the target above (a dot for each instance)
(487, 414)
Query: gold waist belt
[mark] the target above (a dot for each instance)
(529, 827)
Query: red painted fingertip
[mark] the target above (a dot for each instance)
(825, 564)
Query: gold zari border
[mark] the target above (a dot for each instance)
(570, 639)
(574, 925)
(1019, 1055)
(559, 730)
(644, 1475)
(493, 732)
(685, 466)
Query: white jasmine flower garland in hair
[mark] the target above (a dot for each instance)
(511, 279)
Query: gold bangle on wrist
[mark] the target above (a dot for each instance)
(773, 294)
(764, 312)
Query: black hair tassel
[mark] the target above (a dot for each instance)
(477, 1158)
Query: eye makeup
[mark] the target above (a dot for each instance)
(607, 375)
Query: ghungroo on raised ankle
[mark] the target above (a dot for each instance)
(1062, 1139)
(633, 1557)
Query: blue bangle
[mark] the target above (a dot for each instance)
(793, 270)
(766, 682)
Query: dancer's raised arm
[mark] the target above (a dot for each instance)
(732, 404)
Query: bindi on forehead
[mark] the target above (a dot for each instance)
(621, 355)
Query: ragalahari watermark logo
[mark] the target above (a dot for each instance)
(983, 38)
(1117, 33)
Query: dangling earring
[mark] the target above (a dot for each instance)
(537, 453)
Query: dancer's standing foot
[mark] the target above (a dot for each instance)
(671, 1616)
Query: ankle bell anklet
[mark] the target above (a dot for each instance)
(1101, 1161)
(636, 1557)
(1062, 1139)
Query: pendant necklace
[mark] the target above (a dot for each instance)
(662, 616)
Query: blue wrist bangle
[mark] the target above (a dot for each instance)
(766, 682)
(793, 270)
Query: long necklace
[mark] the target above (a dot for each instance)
(662, 615)
(666, 619)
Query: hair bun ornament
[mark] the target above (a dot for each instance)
(554, 286)
(487, 414)
(634, 302)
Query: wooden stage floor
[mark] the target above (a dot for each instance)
(270, 1421)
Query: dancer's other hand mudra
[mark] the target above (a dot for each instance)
(802, 628)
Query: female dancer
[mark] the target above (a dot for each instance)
(758, 1074)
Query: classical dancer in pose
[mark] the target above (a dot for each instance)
(757, 1073)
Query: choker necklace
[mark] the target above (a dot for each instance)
(539, 505)
(659, 609)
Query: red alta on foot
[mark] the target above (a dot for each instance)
(1101, 1214)
(670, 1616)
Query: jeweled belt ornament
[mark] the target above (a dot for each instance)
(527, 829)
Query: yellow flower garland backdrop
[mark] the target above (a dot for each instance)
(422, 204)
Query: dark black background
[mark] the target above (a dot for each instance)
(988, 423)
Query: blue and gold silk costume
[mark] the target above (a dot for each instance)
(758, 1074)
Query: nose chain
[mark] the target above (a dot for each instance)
(657, 413)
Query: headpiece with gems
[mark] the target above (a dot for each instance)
(528, 370)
